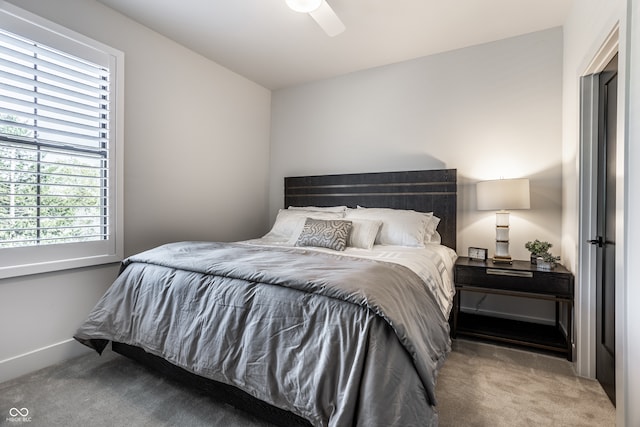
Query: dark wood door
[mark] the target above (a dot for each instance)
(606, 229)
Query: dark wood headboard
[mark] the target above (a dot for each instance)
(424, 191)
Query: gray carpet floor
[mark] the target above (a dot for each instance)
(479, 385)
(486, 385)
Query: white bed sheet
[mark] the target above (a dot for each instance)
(433, 263)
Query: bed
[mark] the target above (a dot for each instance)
(337, 317)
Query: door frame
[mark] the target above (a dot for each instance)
(586, 271)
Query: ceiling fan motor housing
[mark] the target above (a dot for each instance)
(304, 6)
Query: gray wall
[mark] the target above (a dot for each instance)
(196, 167)
(491, 111)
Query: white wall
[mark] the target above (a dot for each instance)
(491, 111)
(586, 29)
(196, 167)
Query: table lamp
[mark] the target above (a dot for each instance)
(501, 195)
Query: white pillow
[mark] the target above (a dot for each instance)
(364, 232)
(341, 209)
(430, 231)
(289, 223)
(435, 238)
(399, 227)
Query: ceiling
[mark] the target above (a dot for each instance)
(276, 47)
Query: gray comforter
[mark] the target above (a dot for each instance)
(337, 340)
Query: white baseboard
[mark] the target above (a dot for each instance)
(40, 358)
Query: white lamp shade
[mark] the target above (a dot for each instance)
(503, 194)
(304, 6)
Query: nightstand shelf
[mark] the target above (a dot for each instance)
(523, 280)
(536, 335)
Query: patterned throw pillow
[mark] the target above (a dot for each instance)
(332, 234)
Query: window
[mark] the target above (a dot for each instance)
(59, 147)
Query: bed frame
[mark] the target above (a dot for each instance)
(424, 191)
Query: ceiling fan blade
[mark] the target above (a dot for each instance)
(327, 19)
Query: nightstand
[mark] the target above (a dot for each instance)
(520, 279)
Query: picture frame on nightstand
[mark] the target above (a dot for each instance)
(478, 254)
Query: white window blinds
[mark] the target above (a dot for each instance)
(53, 145)
(58, 169)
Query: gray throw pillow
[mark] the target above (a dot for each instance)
(332, 234)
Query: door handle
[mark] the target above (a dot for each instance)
(597, 241)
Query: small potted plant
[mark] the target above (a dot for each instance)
(547, 261)
(537, 249)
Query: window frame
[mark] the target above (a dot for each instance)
(26, 260)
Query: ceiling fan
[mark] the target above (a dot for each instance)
(321, 12)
